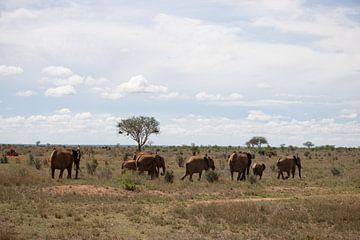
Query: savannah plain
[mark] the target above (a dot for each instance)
(324, 204)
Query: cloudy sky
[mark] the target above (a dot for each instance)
(212, 72)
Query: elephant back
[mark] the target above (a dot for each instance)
(61, 159)
(239, 161)
(145, 162)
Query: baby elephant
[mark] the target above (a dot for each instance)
(258, 169)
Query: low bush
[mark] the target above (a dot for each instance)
(128, 180)
(335, 171)
(169, 176)
(212, 176)
(91, 167)
(4, 159)
(252, 179)
(180, 160)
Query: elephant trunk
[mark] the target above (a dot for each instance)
(299, 167)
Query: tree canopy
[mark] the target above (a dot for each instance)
(308, 144)
(256, 141)
(139, 128)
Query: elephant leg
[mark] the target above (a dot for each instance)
(199, 176)
(282, 175)
(61, 173)
(191, 177)
(293, 172)
(288, 174)
(278, 175)
(69, 172)
(243, 177)
(238, 177)
(186, 173)
(52, 172)
(232, 175)
(260, 175)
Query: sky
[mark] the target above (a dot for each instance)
(211, 72)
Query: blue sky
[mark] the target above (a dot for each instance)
(212, 72)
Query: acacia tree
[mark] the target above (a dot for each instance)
(308, 144)
(139, 128)
(258, 141)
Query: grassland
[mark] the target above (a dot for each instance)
(325, 204)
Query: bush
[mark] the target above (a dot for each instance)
(128, 181)
(4, 159)
(169, 176)
(212, 176)
(180, 160)
(126, 156)
(35, 162)
(222, 164)
(91, 167)
(252, 179)
(31, 159)
(307, 154)
(273, 168)
(335, 171)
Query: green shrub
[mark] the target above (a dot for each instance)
(212, 176)
(37, 164)
(169, 176)
(91, 167)
(180, 160)
(128, 180)
(126, 156)
(4, 159)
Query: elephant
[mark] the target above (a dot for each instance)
(150, 163)
(258, 169)
(287, 164)
(64, 159)
(129, 164)
(138, 154)
(196, 164)
(240, 162)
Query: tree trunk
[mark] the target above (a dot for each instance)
(139, 147)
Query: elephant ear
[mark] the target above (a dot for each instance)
(263, 165)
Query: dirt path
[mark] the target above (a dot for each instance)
(234, 200)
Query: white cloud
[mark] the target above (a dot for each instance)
(66, 90)
(73, 80)
(10, 70)
(348, 113)
(263, 85)
(57, 71)
(258, 116)
(137, 84)
(63, 111)
(92, 82)
(203, 96)
(225, 131)
(26, 93)
(70, 128)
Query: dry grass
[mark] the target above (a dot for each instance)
(320, 206)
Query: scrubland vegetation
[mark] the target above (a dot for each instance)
(108, 203)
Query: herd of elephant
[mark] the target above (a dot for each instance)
(150, 162)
